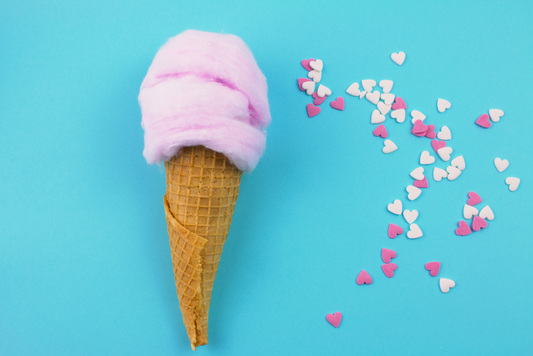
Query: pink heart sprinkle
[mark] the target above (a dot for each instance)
(363, 278)
(478, 223)
(430, 133)
(463, 229)
(421, 183)
(483, 121)
(301, 81)
(338, 103)
(389, 269)
(305, 64)
(387, 255)
(437, 145)
(394, 230)
(399, 104)
(312, 110)
(334, 319)
(318, 100)
(381, 130)
(433, 268)
(419, 127)
(474, 199)
(420, 134)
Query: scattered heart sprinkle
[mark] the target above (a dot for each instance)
(445, 285)
(426, 158)
(513, 183)
(399, 115)
(377, 117)
(396, 207)
(439, 173)
(445, 133)
(417, 173)
(501, 165)
(453, 172)
(459, 162)
(323, 90)
(398, 58)
(433, 268)
(389, 146)
(387, 255)
(469, 211)
(410, 216)
(478, 223)
(381, 130)
(368, 84)
(389, 268)
(444, 153)
(486, 213)
(394, 230)
(386, 85)
(363, 278)
(354, 89)
(338, 104)
(495, 114)
(413, 191)
(474, 199)
(334, 319)
(483, 121)
(414, 232)
(312, 110)
(463, 229)
(442, 105)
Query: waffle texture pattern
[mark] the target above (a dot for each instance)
(202, 189)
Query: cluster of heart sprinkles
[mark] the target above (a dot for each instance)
(390, 104)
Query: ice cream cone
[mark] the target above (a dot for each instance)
(202, 189)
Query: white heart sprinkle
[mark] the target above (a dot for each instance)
(315, 75)
(395, 207)
(469, 211)
(323, 91)
(398, 58)
(442, 105)
(386, 85)
(377, 117)
(399, 115)
(459, 162)
(418, 173)
(383, 108)
(501, 165)
(417, 115)
(354, 89)
(413, 191)
(373, 97)
(389, 146)
(410, 216)
(317, 65)
(309, 87)
(445, 133)
(453, 172)
(486, 213)
(446, 284)
(414, 232)
(444, 153)
(513, 183)
(439, 173)
(388, 98)
(426, 158)
(495, 114)
(363, 94)
(368, 84)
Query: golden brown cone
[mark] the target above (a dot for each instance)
(202, 189)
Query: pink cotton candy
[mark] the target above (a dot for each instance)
(205, 89)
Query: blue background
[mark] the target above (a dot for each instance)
(85, 266)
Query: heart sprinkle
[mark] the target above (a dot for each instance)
(410, 216)
(373, 97)
(394, 230)
(421, 183)
(376, 117)
(317, 65)
(389, 146)
(469, 211)
(398, 58)
(442, 105)
(445, 285)
(334, 319)
(368, 84)
(495, 114)
(309, 87)
(395, 207)
(474, 199)
(414, 232)
(386, 85)
(305, 64)
(419, 127)
(439, 173)
(301, 81)
(387, 255)
(478, 223)
(453, 172)
(436, 144)
(318, 100)
(433, 268)
(444, 153)
(312, 110)
(354, 89)
(338, 103)
(426, 158)
(417, 115)
(389, 269)
(463, 229)
(413, 191)
(430, 133)
(381, 130)
(399, 103)
(417, 173)
(363, 278)
(483, 121)
(459, 162)
(323, 91)
(399, 115)
(501, 165)
(486, 213)
(513, 183)
(445, 133)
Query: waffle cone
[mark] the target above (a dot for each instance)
(202, 189)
